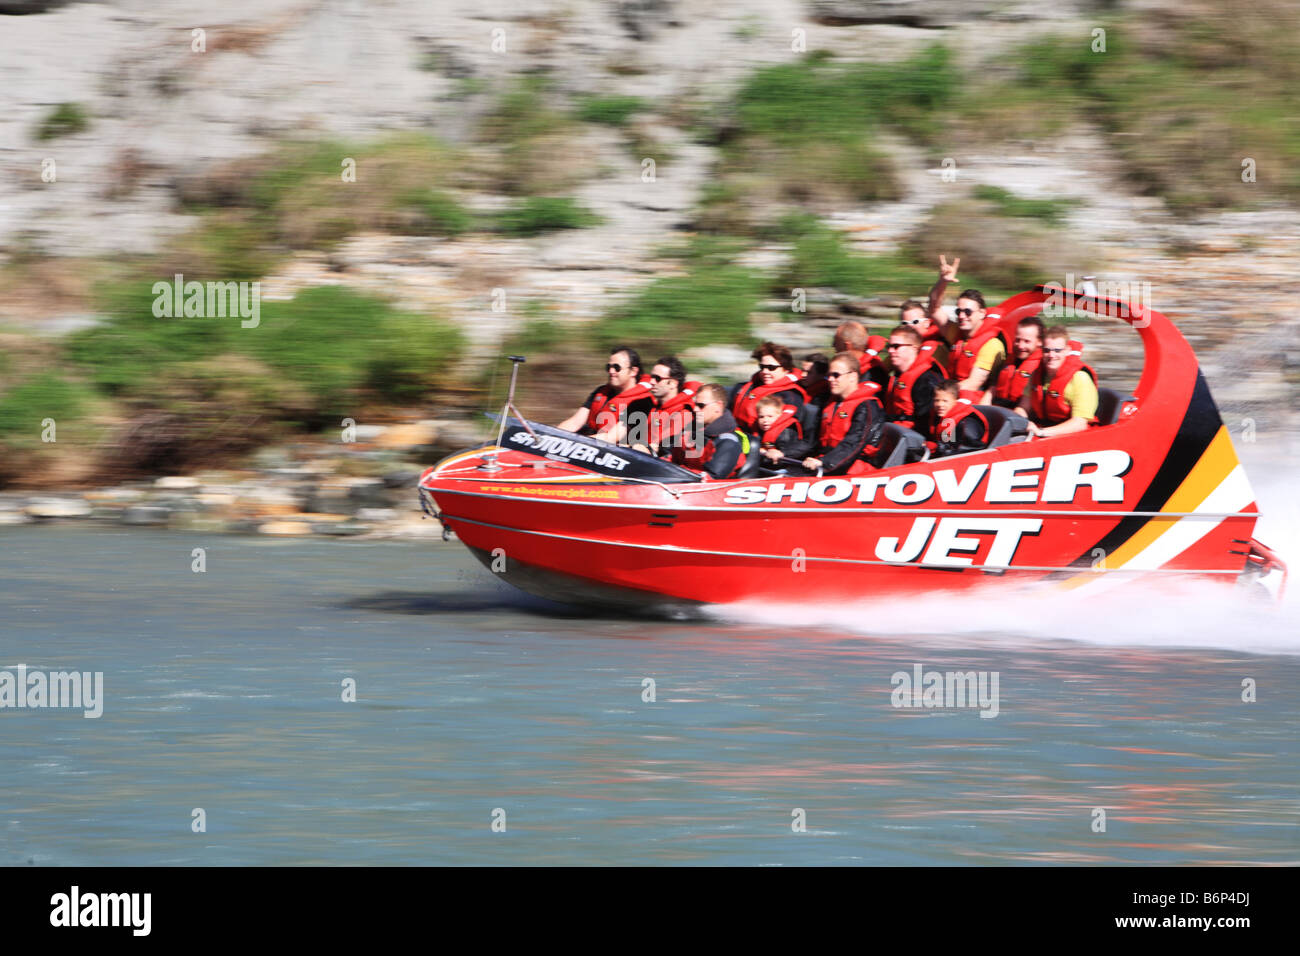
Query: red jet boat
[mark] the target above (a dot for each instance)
(1153, 493)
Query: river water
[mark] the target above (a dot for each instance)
(223, 692)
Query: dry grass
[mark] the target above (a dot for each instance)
(1000, 252)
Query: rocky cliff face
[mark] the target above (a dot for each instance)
(170, 93)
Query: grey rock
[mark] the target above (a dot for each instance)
(20, 7)
(146, 515)
(401, 479)
(58, 508)
(340, 528)
(643, 18)
(940, 13)
(369, 493)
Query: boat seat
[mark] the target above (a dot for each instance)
(752, 461)
(898, 446)
(809, 416)
(1005, 426)
(1109, 403)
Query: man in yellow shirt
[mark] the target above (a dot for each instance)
(1062, 397)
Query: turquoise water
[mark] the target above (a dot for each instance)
(223, 692)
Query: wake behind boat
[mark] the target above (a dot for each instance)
(1153, 492)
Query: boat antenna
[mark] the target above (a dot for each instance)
(490, 459)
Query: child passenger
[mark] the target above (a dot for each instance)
(778, 431)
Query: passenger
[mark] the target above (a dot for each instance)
(851, 422)
(779, 433)
(916, 315)
(956, 426)
(852, 336)
(674, 411)
(877, 352)
(1026, 356)
(723, 447)
(910, 394)
(1061, 397)
(607, 410)
(814, 381)
(978, 347)
(775, 376)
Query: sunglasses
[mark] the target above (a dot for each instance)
(659, 378)
(900, 345)
(965, 311)
(703, 404)
(913, 321)
(768, 368)
(614, 368)
(837, 374)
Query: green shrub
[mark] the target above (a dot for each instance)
(538, 150)
(333, 341)
(46, 394)
(329, 341)
(522, 112)
(434, 213)
(539, 214)
(1051, 211)
(1188, 92)
(63, 120)
(822, 258)
(123, 353)
(806, 103)
(806, 133)
(609, 110)
(711, 303)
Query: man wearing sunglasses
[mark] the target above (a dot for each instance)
(978, 346)
(674, 410)
(608, 410)
(1061, 397)
(910, 395)
(851, 421)
(718, 446)
(933, 342)
(775, 376)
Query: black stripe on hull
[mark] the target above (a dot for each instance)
(1200, 425)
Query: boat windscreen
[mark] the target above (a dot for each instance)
(597, 456)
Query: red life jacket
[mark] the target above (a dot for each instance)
(1047, 399)
(946, 431)
(961, 360)
(745, 407)
(705, 454)
(867, 360)
(613, 405)
(1014, 377)
(783, 421)
(673, 416)
(898, 401)
(933, 334)
(837, 416)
